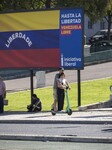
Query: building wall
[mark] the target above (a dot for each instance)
(90, 29)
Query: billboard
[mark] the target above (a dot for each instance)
(71, 38)
(38, 39)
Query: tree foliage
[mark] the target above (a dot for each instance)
(95, 9)
(12, 5)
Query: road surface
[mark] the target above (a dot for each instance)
(46, 129)
(37, 145)
(103, 70)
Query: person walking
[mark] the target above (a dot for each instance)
(54, 105)
(2, 94)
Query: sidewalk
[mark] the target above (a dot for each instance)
(91, 118)
(96, 116)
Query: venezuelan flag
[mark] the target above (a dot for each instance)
(30, 39)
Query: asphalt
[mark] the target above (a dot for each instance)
(93, 116)
(90, 117)
(98, 71)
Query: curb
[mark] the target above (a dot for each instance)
(105, 104)
(55, 138)
(55, 122)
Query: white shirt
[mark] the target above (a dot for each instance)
(63, 81)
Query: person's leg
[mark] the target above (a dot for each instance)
(63, 98)
(37, 109)
(54, 105)
(29, 108)
(1, 104)
(58, 95)
(60, 99)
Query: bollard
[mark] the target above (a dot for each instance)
(40, 79)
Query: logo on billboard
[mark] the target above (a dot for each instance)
(69, 61)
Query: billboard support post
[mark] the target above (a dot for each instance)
(31, 83)
(79, 88)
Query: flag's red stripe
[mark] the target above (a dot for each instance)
(30, 58)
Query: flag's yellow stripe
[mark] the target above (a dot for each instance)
(38, 20)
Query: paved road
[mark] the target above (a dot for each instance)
(94, 126)
(36, 145)
(89, 73)
(58, 129)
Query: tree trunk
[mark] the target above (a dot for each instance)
(109, 24)
(48, 3)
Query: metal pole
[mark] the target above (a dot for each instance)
(79, 88)
(31, 83)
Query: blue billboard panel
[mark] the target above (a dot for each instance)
(71, 38)
(42, 39)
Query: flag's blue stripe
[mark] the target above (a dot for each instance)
(35, 39)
